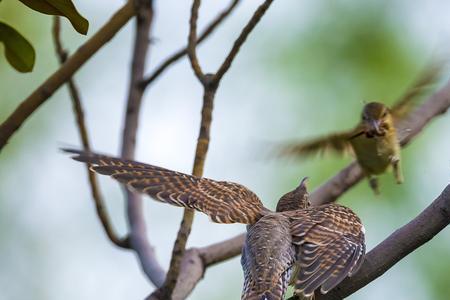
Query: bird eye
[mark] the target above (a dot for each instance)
(384, 114)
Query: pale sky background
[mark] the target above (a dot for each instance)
(52, 243)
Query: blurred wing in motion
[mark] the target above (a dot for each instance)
(331, 246)
(412, 96)
(223, 202)
(338, 143)
(267, 258)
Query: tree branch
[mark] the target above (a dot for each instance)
(138, 230)
(216, 253)
(182, 52)
(192, 41)
(64, 73)
(259, 13)
(82, 130)
(398, 245)
(196, 260)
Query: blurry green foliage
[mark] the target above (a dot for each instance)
(351, 53)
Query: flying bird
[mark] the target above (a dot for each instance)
(375, 140)
(323, 244)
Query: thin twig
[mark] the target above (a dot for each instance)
(192, 41)
(135, 211)
(64, 73)
(82, 130)
(259, 13)
(182, 52)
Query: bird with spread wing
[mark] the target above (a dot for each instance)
(323, 244)
(375, 140)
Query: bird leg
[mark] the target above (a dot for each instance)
(398, 174)
(373, 183)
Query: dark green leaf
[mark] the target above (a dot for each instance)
(18, 51)
(60, 8)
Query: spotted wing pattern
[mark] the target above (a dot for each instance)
(330, 241)
(267, 258)
(223, 202)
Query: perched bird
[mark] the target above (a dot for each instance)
(375, 140)
(269, 255)
(325, 243)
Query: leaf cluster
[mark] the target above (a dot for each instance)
(19, 52)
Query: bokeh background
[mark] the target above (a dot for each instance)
(305, 71)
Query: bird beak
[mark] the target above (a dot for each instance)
(375, 124)
(304, 182)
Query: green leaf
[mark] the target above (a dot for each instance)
(18, 51)
(63, 8)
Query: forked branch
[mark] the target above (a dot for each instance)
(210, 84)
(182, 52)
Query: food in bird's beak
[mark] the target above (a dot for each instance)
(375, 128)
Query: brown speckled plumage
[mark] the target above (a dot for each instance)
(223, 202)
(330, 241)
(267, 258)
(325, 243)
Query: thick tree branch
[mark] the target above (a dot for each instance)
(81, 125)
(436, 105)
(398, 245)
(182, 52)
(337, 185)
(217, 252)
(64, 73)
(196, 260)
(138, 230)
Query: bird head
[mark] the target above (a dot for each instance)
(296, 199)
(376, 119)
